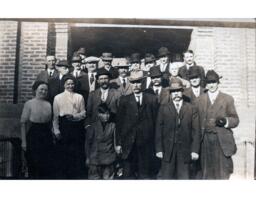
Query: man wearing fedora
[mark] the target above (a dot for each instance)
(150, 61)
(135, 130)
(50, 70)
(156, 88)
(82, 53)
(196, 89)
(164, 61)
(107, 61)
(122, 83)
(56, 84)
(217, 117)
(177, 138)
(103, 94)
(135, 62)
(189, 62)
(82, 83)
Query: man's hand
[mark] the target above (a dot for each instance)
(118, 149)
(159, 155)
(194, 156)
(58, 136)
(221, 122)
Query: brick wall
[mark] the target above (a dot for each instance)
(61, 40)
(8, 34)
(32, 56)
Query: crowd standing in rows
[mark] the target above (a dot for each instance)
(146, 118)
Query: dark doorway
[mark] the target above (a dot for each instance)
(122, 41)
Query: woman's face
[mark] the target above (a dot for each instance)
(42, 91)
(69, 85)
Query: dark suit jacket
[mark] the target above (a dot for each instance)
(189, 94)
(94, 100)
(165, 76)
(133, 122)
(223, 107)
(188, 135)
(43, 76)
(117, 84)
(184, 73)
(82, 85)
(160, 98)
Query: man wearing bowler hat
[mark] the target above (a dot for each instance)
(217, 116)
(135, 62)
(135, 130)
(103, 94)
(164, 60)
(122, 83)
(150, 61)
(189, 63)
(196, 89)
(107, 61)
(82, 53)
(156, 88)
(177, 138)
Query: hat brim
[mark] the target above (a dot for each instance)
(107, 59)
(171, 89)
(136, 79)
(193, 76)
(164, 54)
(122, 66)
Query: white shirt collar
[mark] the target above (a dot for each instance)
(213, 95)
(159, 88)
(121, 79)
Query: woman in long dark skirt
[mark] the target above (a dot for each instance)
(36, 133)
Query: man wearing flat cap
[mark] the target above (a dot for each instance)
(56, 84)
(177, 138)
(103, 94)
(91, 64)
(196, 89)
(122, 83)
(107, 58)
(135, 130)
(189, 63)
(217, 116)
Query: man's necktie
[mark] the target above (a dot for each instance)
(157, 92)
(138, 101)
(76, 74)
(177, 107)
(51, 73)
(124, 83)
(91, 78)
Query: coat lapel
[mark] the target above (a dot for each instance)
(110, 96)
(218, 103)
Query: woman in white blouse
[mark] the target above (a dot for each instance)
(68, 125)
(36, 133)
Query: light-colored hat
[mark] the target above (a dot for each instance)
(92, 59)
(136, 75)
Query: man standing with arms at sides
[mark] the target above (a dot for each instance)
(177, 135)
(135, 130)
(122, 83)
(217, 116)
(91, 64)
(103, 94)
(107, 61)
(189, 62)
(50, 71)
(196, 89)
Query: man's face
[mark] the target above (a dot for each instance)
(123, 72)
(42, 91)
(107, 64)
(50, 62)
(69, 85)
(135, 66)
(174, 70)
(163, 60)
(103, 81)
(76, 65)
(156, 81)
(212, 86)
(176, 95)
(136, 86)
(149, 65)
(104, 117)
(91, 67)
(62, 70)
(195, 82)
(189, 58)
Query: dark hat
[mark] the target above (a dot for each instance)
(149, 58)
(102, 71)
(175, 85)
(163, 51)
(107, 56)
(193, 72)
(76, 59)
(136, 75)
(135, 58)
(212, 76)
(81, 50)
(62, 63)
(155, 72)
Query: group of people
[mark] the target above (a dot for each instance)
(146, 118)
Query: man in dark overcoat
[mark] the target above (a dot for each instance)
(135, 130)
(177, 135)
(217, 116)
(107, 59)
